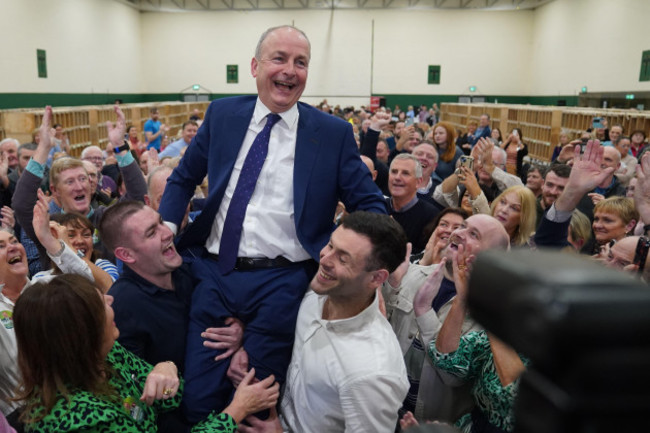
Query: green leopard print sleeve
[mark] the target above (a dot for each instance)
(85, 412)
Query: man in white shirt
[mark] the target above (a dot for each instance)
(347, 372)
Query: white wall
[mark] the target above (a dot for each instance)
(344, 50)
(92, 46)
(593, 43)
(102, 46)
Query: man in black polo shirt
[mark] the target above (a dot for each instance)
(152, 296)
(413, 214)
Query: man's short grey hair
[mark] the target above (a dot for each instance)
(9, 140)
(502, 153)
(26, 146)
(430, 143)
(155, 172)
(408, 156)
(88, 149)
(258, 49)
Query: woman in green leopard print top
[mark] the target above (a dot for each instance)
(78, 378)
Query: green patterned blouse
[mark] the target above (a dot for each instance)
(473, 361)
(89, 413)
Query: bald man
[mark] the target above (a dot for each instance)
(418, 298)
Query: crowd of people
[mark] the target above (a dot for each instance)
(285, 267)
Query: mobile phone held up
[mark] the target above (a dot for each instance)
(597, 123)
(465, 161)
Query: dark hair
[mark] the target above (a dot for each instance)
(430, 228)
(560, 170)
(60, 334)
(189, 122)
(638, 131)
(540, 168)
(114, 218)
(77, 221)
(26, 146)
(386, 236)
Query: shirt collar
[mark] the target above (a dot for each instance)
(350, 324)
(290, 117)
(406, 207)
(427, 188)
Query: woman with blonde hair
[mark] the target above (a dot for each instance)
(515, 208)
(614, 218)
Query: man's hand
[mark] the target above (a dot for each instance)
(395, 278)
(4, 170)
(238, 367)
(8, 219)
(269, 425)
(568, 151)
(407, 133)
(485, 148)
(379, 121)
(408, 421)
(228, 338)
(116, 132)
(586, 175)
(429, 290)
(642, 190)
(153, 161)
(461, 265)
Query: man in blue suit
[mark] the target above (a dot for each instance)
(311, 164)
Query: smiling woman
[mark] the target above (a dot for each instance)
(515, 209)
(107, 388)
(614, 218)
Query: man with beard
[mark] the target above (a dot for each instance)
(555, 180)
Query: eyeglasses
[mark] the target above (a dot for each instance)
(93, 158)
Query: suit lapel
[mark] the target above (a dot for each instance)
(229, 136)
(307, 150)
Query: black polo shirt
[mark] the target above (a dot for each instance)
(153, 321)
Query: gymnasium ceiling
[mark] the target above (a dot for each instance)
(266, 5)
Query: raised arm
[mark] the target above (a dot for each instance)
(586, 175)
(642, 190)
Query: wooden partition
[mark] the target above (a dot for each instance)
(86, 125)
(541, 125)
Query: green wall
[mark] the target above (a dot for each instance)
(31, 100)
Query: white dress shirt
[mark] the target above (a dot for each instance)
(269, 229)
(345, 375)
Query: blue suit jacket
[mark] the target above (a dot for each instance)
(327, 168)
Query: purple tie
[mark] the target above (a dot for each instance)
(232, 226)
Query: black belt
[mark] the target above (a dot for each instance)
(250, 263)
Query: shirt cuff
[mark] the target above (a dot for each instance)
(36, 168)
(173, 227)
(558, 216)
(124, 160)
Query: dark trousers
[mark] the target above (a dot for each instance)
(266, 301)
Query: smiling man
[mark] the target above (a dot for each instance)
(347, 372)
(435, 399)
(69, 182)
(413, 213)
(277, 169)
